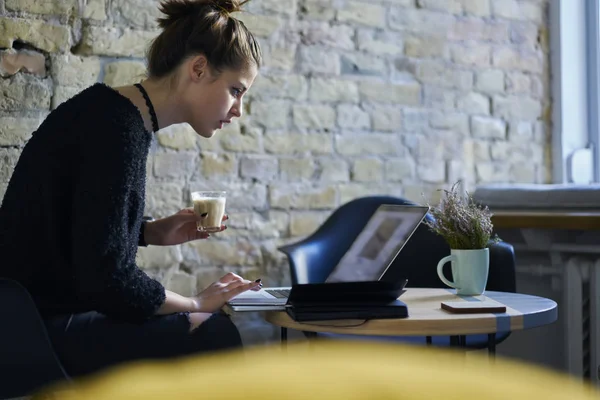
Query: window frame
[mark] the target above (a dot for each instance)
(593, 79)
(574, 57)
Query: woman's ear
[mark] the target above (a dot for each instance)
(198, 68)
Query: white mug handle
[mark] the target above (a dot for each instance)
(440, 270)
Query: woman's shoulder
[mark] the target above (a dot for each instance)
(98, 93)
(102, 99)
(103, 107)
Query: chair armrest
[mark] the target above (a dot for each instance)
(502, 275)
(28, 360)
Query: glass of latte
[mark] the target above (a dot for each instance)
(213, 205)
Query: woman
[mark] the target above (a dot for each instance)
(71, 218)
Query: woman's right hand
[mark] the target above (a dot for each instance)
(220, 292)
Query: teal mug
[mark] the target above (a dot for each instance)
(470, 270)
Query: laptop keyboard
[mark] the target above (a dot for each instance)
(279, 293)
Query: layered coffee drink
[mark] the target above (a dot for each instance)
(213, 205)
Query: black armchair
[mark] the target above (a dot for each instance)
(312, 259)
(27, 359)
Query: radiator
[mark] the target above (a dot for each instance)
(573, 258)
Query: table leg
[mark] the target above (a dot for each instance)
(428, 340)
(492, 344)
(284, 336)
(454, 341)
(310, 335)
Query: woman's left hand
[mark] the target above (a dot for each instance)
(177, 229)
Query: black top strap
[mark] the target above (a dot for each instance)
(150, 106)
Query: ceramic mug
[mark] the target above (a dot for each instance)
(470, 270)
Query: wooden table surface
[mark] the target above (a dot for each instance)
(427, 318)
(579, 220)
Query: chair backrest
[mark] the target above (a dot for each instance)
(27, 359)
(334, 237)
(416, 262)
(419, 258)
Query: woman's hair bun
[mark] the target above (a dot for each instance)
(207, 27)
(176, 10)
(230, 6)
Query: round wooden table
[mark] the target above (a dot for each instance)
(427, 318)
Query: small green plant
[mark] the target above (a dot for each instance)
(464, 224)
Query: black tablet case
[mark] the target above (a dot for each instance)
(346, 300)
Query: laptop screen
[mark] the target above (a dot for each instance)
(378, 244)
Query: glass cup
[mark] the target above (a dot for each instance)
(211, 203)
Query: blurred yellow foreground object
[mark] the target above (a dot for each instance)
(329, 370)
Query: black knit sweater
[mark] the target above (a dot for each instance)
(72, 212)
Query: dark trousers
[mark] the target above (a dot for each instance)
(89, 342)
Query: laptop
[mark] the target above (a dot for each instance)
(369, 257)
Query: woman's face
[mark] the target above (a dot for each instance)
(213, 100)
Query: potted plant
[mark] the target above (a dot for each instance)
(467, 228)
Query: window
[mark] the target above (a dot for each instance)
(593, 80)
(575, 71)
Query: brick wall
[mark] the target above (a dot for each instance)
(393, 97)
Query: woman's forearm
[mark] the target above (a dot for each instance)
(175, 303)
(151, 234)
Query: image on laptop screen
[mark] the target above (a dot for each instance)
(378, 244)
